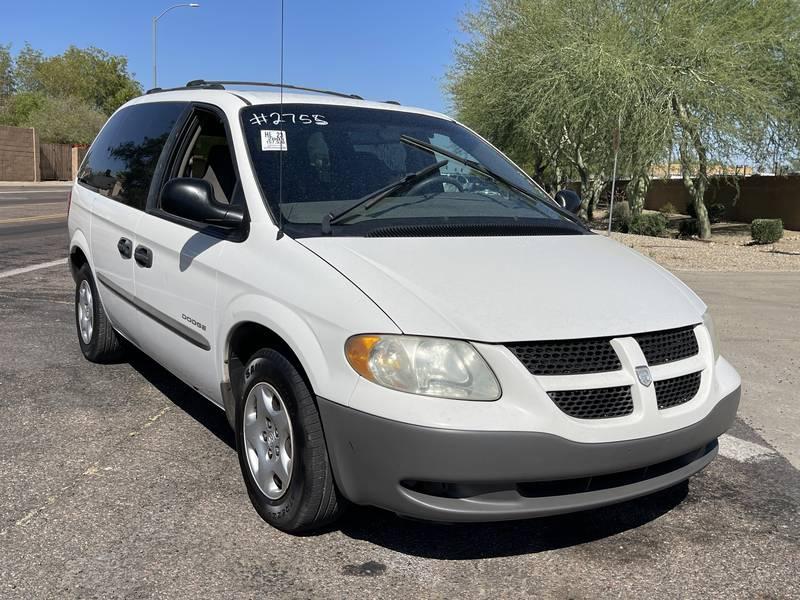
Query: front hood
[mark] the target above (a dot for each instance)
(502, 289)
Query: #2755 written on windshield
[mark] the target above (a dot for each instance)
(276, 118)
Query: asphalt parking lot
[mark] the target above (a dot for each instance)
(119, 481)
(32, 225)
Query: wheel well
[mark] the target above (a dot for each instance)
(76, 260)
(247, 339)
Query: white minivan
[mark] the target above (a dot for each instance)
(389, 311)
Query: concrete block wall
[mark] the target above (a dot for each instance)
(19, 154)
(760, 197)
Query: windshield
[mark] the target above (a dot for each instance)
(332, 158)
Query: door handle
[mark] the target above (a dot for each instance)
(125, 247)
(143, 256)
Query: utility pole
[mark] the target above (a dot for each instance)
(614, 173)
(155, 37)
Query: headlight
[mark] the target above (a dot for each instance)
(712, 331)
(420, 365)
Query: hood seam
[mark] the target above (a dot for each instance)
(354, 284)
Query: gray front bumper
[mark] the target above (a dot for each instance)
(453, 475)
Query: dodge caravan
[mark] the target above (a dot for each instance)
(388, 310)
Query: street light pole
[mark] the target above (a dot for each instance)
(155, 36)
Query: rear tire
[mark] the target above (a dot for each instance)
(281, 447)
(97, 338)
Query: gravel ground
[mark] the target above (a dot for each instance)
(730, 249)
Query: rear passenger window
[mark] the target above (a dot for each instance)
(123, 158)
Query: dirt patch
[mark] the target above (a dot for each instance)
(716, 255)
(730, 249)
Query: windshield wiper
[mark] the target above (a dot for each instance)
(373, 198)
(472, 164)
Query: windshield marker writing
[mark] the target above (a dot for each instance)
(276, 118)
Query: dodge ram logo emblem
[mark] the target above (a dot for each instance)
(645, 378)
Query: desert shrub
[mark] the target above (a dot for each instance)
(621, 219)
(652, 224)
(716, 212)
(688, 228)
(667, 209)
(766, 231)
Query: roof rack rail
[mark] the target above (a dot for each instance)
(195, 83)
(206, 86)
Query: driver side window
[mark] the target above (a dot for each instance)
(208, 156)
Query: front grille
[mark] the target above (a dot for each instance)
(567, 357)
(676, 391)
(601, 403)
(661, 347)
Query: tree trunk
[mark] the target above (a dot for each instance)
(584, 211)
(697, 189)
(637, 192)
(700, 208)
(592, 194)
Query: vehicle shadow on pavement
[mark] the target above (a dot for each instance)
(184, 397)
(434, 540)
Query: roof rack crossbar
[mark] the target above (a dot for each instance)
(205, 83)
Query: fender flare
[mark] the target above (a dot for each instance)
(293, 330)
(78, 241)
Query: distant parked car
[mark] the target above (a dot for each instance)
(380, 327)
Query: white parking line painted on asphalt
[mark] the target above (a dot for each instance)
(28, 269)
(743, 451)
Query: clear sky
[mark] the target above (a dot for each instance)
(393, 49)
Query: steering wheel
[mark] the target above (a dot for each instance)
(418, 188)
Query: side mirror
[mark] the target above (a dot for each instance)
(193, 199)
(569, 199)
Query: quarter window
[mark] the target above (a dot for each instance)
(121, 162)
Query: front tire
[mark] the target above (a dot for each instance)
(97, 338)
(281, 447)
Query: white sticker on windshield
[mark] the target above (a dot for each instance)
(272, 140)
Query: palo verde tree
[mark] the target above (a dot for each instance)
(552, 79)
(556, 79)
(726, 69)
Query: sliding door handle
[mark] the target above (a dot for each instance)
(125, 247)
(143, 256)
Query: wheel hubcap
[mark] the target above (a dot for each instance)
(85, 311)
(268, 440)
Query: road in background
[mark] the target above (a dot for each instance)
(33, 225)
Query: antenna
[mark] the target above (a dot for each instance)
(283, 140)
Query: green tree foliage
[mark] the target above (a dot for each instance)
(67, 97)
(6, 73)
(727, 68)
(17, 108)
(91, 75)
(551, 81)
(67, 120)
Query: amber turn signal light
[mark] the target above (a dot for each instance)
(357, 350)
